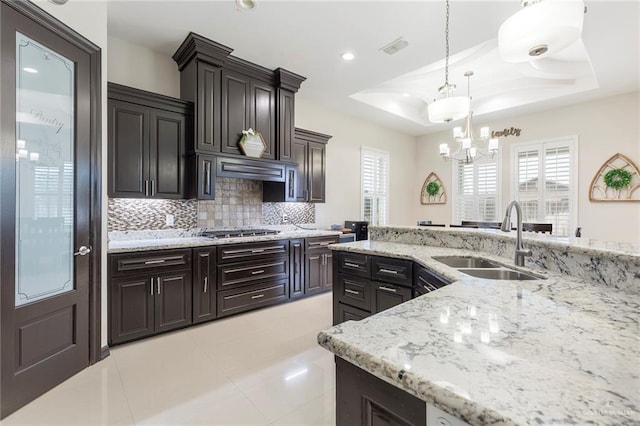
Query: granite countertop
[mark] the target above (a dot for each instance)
(554, 351)
(189, 240)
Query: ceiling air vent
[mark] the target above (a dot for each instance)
(395, 46)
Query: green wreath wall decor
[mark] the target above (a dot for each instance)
(433, 188)
(617, 178)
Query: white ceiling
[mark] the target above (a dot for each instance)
(308, 37)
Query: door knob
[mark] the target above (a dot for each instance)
(83, 251)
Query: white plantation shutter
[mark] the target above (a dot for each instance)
(476, 191)
(545, 183)
(375, 186)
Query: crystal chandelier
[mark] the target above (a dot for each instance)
(470, 144)
(448, 107)
(540, 28)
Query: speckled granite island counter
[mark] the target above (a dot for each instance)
(559, 350)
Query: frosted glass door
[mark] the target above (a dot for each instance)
(44, 172)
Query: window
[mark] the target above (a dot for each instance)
(375, 186)
(476, 195)
(545, 182)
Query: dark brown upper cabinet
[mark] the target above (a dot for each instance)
(309, 151)
(147, 137)
(232, 95)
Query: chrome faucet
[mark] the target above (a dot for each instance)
(506, 227)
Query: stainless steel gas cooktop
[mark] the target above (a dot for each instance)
(238, 233)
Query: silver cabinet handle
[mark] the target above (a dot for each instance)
(257, 296)
(389, 271)
(261, 271)
(351, 265)
(83, 251)
(348, 290)
(206, 282)
(146, 188)
(153, 192)
(392, 290)
(257, 251)
(158, 285)
(151, 287)
(153, 262)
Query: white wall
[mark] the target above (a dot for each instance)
(604, 127)
(137, 66)
(343, 164)
(90, 20)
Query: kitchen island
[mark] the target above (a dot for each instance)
(558, 350)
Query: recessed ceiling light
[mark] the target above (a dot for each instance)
(30, 70)
(58, 2)
(406, 95)
(245, 4)
(348, 56)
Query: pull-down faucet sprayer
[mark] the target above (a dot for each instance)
(506, 227)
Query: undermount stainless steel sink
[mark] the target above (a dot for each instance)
(466, 262)
(499, 274)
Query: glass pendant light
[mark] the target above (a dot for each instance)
(448, 107)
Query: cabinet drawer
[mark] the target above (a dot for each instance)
(238, 274)
(319, 243)
(354, 291)
(233, 301)
(386, 295)
(349, 313)
(390, 270)
(243, 252)
(354, 263)
(427, 281)
(125, 264)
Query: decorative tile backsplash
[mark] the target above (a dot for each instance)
(238, 203)
(297, 213)
(128, 214)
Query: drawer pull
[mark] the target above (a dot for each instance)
(261, 271)
(348, 290)
(389, 271)
(206, 284)
(429, 289)
(257, 296)
(392, 290)
(257, 251)
(351, 265)
(153, 262)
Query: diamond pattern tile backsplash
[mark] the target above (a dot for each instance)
(238, 203)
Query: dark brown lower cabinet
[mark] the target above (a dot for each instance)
(147, 304)
(204, 285)
(296, 271)
(363, 399)
(387, 295)
(318, 264)
(349, 313)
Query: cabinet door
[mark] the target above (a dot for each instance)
(314, 272)
(387, 295)
(296, 274)
(166, 152)
(286, 111)
(316, 172)
(299, 149)
(172, 300)
(208, 108)
(131, 309)
(349, 313)
(235, 111)
(128, 150)
(205, 179)
(263, 115)
(204, 285)
(327, 280)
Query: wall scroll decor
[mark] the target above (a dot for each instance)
(433, 190)
(252, 144)
(617, 180)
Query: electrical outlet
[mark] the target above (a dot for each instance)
(169, 220)
(285, 218)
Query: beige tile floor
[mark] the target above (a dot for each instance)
(260, 368)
